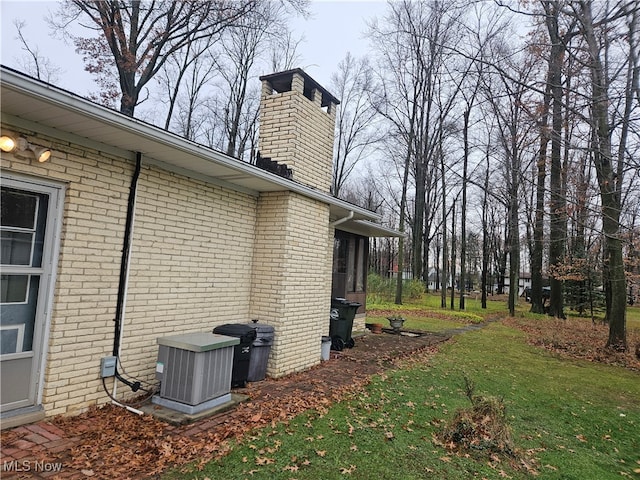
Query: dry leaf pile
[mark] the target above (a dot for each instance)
(482, 426)
(578, 338)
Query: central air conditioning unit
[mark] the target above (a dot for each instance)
(195, 371)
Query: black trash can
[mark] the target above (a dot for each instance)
(260, 351)
(341, 323)
(241, 352)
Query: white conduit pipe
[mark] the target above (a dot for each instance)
(124, 297)
(131, 409)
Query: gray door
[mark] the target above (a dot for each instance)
(26, 240)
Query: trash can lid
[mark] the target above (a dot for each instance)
(339, 302)
(261, 328)
(236, 330)
(343, 302)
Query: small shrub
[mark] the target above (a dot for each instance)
(469, 317)
(413, 289)
(384, 289)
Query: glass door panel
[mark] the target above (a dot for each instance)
(23, 221)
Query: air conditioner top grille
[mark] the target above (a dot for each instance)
(198, 341)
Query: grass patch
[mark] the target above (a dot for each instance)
(569, 419)
(416, 321)
(426, 314)
(633, 317)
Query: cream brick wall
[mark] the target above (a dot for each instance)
(190, 270)
(298, 132)
(291, 287)
(202, 255)
(191, 263)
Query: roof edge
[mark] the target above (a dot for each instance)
(69, 101)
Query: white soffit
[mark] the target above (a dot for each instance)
(369, 229)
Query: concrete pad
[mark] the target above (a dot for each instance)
(175, 417)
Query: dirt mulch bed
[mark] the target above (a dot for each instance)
(110, 442)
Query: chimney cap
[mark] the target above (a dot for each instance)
(281, 82)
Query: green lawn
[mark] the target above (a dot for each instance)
(570, 419)
(633, 317)
(425, 314)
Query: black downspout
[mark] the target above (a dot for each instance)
(124, 268)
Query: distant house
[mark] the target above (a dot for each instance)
(127, 233)
(524, 281)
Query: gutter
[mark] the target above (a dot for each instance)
(199, 156)
(343, 219)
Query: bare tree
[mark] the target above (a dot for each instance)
(187, 72)
(355, 124)
(140, 36)
(185, 78)
(537, 250)
(240, 49)
(419, 83)
(609, 167)
(559, 37)
(487, 26)
(507, 96)
(396, 102)
(34, 63)
(283, 54)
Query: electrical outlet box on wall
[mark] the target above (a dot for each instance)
(108, 366)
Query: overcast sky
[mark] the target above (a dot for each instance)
(335, 28)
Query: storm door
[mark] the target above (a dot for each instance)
(27, 239)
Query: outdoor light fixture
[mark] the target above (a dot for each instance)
(20, 145)
(42, 154)
(7, 144)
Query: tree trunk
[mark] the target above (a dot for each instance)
(501, 260)
(425, 263)
(609, 191)
(537, 305)
(463, 214)
(558, 203)
(403, 206)
(443, 292)
(437, 262)
(418, 216)
(485, 234)
(453, 255)
(514, 232)
(403, 202)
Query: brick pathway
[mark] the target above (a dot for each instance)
(113, 443)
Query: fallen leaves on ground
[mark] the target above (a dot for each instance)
(111, 442)
(348, 471)
(578, 338)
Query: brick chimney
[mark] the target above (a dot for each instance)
(297, 122)
(292, 258)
